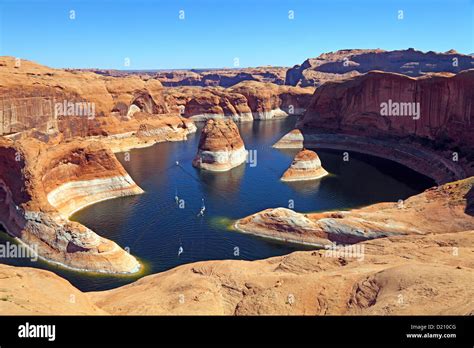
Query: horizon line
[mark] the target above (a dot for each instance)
(236, 68)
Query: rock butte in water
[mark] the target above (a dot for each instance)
(220, 147)
(305, 166)
(292, 140)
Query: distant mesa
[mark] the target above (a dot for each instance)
(292, 140)
(220, 148)
(306, 166)
(221, 77)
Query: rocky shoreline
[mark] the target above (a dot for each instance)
(365, 281)
(433, 164)
(414, 216)
(56, 180)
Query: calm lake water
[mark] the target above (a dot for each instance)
(154, 227)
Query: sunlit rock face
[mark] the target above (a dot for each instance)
(450, 203)
(269, 101)
(306, 166)
(43, 182)
(220, 148)
(357, 105)
(245, 101)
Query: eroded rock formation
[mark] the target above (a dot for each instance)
(437, 210)
(246, 101)
(305, 166)
(84, 104)
(348, 114)
(42, 183)
(220, 148)
(221, 77)
(267, 100)
(343, 64)
(201, 104)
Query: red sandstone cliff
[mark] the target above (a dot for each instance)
(267, 100)
(245, 101)
(210, 102)
(30, 94)
(43, 182)
(445, 121)
(446, 105)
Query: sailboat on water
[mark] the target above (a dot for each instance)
(203, 209)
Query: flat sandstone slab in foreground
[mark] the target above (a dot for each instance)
(441, 209)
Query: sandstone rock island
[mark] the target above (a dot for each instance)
(305, 166)
(135, 190)
(220, 148)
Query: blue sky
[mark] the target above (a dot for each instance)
(213, 33)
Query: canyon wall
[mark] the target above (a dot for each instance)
(347, 63)
(444, 125)
(91, 104)
(446, 105)
(58, 132)
(200, 104)
(35, 96)
(43, 182)
(246, 101)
